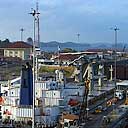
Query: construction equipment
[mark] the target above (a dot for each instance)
(84, 106)
(86, 64)
(99, 109)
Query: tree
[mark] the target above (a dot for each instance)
(6, 41)
(68, 50)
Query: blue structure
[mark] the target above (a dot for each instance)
(26, 90)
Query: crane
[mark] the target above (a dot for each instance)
(84, 106)
(88, 77)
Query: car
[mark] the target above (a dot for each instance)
(104, 109)
(99, 109)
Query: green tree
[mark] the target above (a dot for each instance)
(68, 50)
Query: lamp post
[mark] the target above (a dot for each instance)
(21, 34)
(115, 51)
(115, 30)
(115, 55)
(78, 36)
(33, 13)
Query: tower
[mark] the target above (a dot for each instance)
(38, 25)
(37, 50)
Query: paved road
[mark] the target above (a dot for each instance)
(96, 121)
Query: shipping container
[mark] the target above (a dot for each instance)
(24, 112)
(51, 93)
(47, 120)
(14, 92)
(8, 111)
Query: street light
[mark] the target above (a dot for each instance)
(33, 13)
(115, 38)
(21, 34)
(78, 36)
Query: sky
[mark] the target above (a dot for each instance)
(62, 20)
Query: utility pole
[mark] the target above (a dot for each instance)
(21, 33)
(35, 14)
(115, 30)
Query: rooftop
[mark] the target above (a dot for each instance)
(19, 44)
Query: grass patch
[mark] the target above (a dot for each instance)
(68, 70)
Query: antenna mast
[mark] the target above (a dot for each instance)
(38, 24)
(37, 37)
(35, 15)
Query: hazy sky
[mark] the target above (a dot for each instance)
(61, 20)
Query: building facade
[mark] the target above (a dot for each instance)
(18, 49)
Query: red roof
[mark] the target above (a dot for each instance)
(95, 50)
(70, 117)
(19, 44)
(67, 57)
(73, 102)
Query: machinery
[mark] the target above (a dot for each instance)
(88, 77)
(84, 106)
(99, 109)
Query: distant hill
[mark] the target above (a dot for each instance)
(55, 43)
(53, 46)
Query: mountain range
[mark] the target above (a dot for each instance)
(53, 46)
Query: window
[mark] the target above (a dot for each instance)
(66, 124)
(71, 123)
(16, 52)
(10, 52)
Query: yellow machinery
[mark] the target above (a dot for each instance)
(84, 106)
(99, 109)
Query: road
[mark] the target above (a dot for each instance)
(97, 119)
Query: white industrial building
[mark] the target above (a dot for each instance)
(50, 101)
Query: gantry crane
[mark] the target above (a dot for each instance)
(88, 77)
